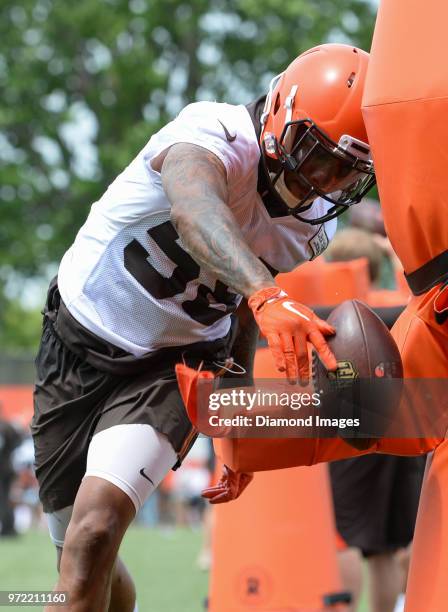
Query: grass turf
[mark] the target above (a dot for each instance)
(162, 563)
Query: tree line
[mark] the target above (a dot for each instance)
(84, 85)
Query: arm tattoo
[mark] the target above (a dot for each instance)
(195, 183)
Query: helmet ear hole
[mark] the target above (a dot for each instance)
(276, 104)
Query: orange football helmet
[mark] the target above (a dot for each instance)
(313, 138)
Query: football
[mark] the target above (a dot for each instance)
(366, 388)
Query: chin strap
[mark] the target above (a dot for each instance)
(332, 213)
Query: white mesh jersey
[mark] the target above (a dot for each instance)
(128, 279)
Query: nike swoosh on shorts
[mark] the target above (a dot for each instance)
(142, 472)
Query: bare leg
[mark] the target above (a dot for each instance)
(404, 559)
(385, 577)
(101, 515)
(350, 566)
(123, 594)
(205, 555)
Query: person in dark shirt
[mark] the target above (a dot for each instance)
(9, 440)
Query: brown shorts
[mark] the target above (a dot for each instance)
(74, 400)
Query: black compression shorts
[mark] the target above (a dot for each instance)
(375, 500)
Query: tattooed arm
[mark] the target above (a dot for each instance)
(195, 183)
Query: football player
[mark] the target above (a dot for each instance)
(191, 231)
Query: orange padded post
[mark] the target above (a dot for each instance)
(327, 284)
(17, 402)
(405, 110)
(274, 548)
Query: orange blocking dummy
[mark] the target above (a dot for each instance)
(274, 547)
(324, 284)
(320, 283)
(282, 528)
(327, 284)
(405, 110)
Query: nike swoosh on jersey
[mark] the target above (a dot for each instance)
(229, 136)
(289, 306)
(142, 472)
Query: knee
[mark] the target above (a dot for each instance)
(90, 549)
(94, 534)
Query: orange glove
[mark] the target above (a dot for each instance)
(230, 486)
(288, 326)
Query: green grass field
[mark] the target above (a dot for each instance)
(162, 563)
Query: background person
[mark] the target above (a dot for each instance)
(375, 497)
(10, 439)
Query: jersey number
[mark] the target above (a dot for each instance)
(186, 270)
